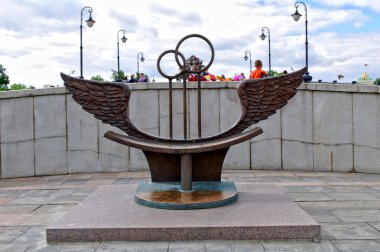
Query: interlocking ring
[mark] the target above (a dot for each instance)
(159, 67)
(195, 36)
(178, 54)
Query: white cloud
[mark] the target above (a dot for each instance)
(371, 4)
(46, 41)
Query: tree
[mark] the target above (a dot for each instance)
(4, 78)
(97, 78)
(115, 75)
(274, 73)
(18, 86)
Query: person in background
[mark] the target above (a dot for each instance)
(239, 77)
(125, 79)
(143, 78)
(258, 73)
(132, 79)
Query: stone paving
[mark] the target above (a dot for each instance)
(347, 206)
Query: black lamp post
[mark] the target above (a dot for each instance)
(123, 39)
(142, 60)
(250, 59)
(263, 36)
(296, 16)
(90, 22)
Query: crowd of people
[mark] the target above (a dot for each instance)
(257, 73)
(134, 79)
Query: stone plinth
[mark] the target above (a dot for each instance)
(110, 214)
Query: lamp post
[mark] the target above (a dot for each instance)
(263, 36)
(90, 22)
(142, 60)
(123, 39)
(296, 16)
(250, 59)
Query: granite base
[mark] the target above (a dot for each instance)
(263, 212)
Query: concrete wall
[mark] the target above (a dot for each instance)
(325, 127)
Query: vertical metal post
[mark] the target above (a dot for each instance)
(186, 172)
(81, 28)
(306, 45)
(81, 48)
(170, 109)
(270, 68)
(184, 107)
(250, 64)
(199, 106)
(138, 67)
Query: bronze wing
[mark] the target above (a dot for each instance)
(108, 102)
(260, 98)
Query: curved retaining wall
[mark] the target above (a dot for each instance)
(325, 127)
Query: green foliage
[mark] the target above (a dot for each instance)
(4, 78)
(273, 73)
(377, 81)
(18, 86)
(97, 78)
(115, 75)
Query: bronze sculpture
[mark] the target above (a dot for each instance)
(186, 161)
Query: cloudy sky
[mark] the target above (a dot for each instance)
(40, 38)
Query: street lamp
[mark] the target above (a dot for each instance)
(296, 16)
(250, 60)
(90, 22)
(263, 36)
(142, 60)
(123, 39)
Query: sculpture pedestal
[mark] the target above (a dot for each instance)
(110, 214)
(170, 196)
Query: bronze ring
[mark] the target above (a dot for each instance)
(194, 36)
(159, 67)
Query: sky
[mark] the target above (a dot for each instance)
(40, 38)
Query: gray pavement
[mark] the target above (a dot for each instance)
(347, 206)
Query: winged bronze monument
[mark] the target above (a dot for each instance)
(185, 173)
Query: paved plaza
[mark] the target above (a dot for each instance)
(347, 206)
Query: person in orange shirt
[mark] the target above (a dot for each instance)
(258, 73)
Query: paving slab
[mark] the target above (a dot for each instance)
(350, 204)
(324, 246)
(13, 219)
(13, 247)
(357, 246)
(226, 246)
(349, 231)
(32, 235)
(309, 197)
(115, 246)
(42, 219)
(42, 246)
(307, 189)
(375, 225)
(110, 213)
(187, 246)
(18, 208)
(351, 196)
(8, 234)
(322, 215)
(357, 215)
